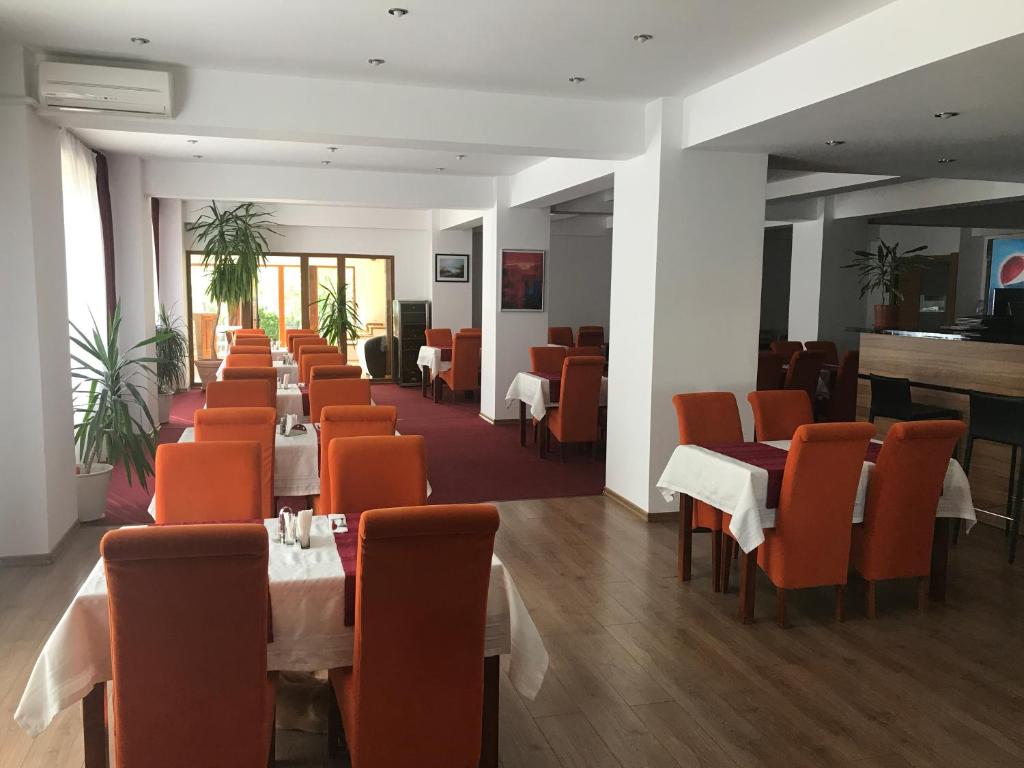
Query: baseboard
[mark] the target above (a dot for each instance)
(643, 514)
(45, 558)
(498, 422)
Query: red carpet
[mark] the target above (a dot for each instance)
(469, 460)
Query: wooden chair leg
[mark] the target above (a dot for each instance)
(869, 599)
(922, 593)
(728, 548)
(716, 561)
(333, 725)
(780, 607)
(840, 602)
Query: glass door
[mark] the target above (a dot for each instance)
(279, 296)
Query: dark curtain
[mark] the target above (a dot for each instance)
(107, 222)
(154, 205)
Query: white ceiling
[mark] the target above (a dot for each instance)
(522, 46)
(293, 153)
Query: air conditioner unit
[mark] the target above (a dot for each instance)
(91, 88)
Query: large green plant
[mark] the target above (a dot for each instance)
(339, 317)
(115, 424)
(880, 271)
(171, 352)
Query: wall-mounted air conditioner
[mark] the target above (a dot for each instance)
(87, 87)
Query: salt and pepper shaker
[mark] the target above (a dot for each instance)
(282, 524)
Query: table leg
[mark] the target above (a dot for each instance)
(522, 423)
(542, 436)
(683, 561)
(489, 732)
(424, 380)
(94, 727)
(748, 585)
(940, 561)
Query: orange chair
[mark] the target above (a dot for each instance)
(810, 543)
(474, 331)
(828, 348)
(318, 372)
(304, 350)
(770, 367)
(310, 359)
(214, 482)
(250, 332)
(439, 337)
(590, 336)
(707, 418)
(257, 425)
(248, 361)
(786, 348)
(297, 333)
(189, 620)
(464, 375)
(248, 349)
(375, 472)
(242, 393)
(337, 421)
(561, 335)
(419, 642)
(234, 374)
(842, 401)
(584, 352)
(547, 359)
(298, 342)
(778, 413)
(895, 541)
(804, 372)
(327, 392)
(251, 341)
(575, 418)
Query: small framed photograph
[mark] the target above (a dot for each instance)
(451, 268)
(522, 281)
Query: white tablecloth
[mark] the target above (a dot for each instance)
(431, 357)
(535, 391)
(741, 490)
(307, 590)
(280, 355)
(289, 400)
(280, 366)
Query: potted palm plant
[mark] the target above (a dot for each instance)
(171, 360)
(113, 423)
(339, 318)
(879, 272)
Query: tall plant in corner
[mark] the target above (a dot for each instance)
(879, 272)
(339, 317)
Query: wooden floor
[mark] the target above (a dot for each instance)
(648, 672)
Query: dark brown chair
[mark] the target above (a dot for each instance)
(590, 336)
(770, 370)
(786, 348)
(804, 372)
(828, 347)
(561, 335)
(842, 403)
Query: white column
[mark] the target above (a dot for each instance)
(805, 276)
(133, 252)
(507, 336)
(451, 303)
(172, 259)
(37, 460)
(685, 300)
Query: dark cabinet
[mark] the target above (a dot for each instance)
(411, 320)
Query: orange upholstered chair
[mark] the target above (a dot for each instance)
(247, 425)
(804, 372)
(474, 331)
(547, 359)
(318, 372)
(464, 375)
(439, 337)
(707, 418)
(234, 374)
(252, 341)
(242, 393)
(250, 332)
(248, 349)
(375, 472)
(348, 421)
(786, 348)
(842, 401)
(326, 392)
(189, 616)
(584, 352)
(299, 333)
(561, 335)
(213, 482)
(248, 361)
(590, 336)
(302, 351)
(418, 650)
(575, 418)
(298, 342)
(828, 348)
(895, 541)
(317, 359)
(810, 543)
(777, 413)
(770, 370)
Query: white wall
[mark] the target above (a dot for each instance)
(172, 259)
(451, 303)
(805, 276)
(579, 280)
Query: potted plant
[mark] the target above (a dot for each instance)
(171, 360)
(113, 424)
(339, 318)
(879, 272)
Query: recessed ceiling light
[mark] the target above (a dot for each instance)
(332, 149)
(643, 37)
(197, 157)
(834, 142)
(193, 141)
(325, 162)
(576, 79)
(375, 62)
(460, 157)
(398, 12)
(946, 160)
(140, 40)
(946, 115)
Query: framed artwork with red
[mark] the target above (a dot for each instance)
(522, 281)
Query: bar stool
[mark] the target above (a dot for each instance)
(890, 399)
(1001, 420)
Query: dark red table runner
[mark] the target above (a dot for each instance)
(446, 354)
(348, 545)
(305, 399)
(554, 385)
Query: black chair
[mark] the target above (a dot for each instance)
(890, 399)
(1001, 420)
(376, 352)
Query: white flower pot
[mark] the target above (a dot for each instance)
(207, 370)
(163, 400)
(92, 491)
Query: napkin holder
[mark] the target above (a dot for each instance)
(304, 524)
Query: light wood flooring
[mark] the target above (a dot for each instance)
(646, 671)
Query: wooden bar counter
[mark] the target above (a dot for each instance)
(943, 370)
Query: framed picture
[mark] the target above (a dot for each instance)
(1005, 273)
(451, 268)
(522, 281)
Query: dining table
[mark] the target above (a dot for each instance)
(536, 392)
(744, 480)
(312, 608)
(432, 361)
